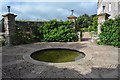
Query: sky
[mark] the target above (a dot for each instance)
(45, 10)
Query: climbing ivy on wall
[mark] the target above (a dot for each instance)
(23, 35)
(51, 31)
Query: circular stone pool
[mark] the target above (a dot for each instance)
(57, 55)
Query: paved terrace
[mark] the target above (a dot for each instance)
(100, 62)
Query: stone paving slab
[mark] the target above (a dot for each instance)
(102, 62)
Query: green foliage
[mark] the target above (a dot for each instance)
(54, 31)
(110, 32)
(83, 21)
(50, 31)
(94, 24)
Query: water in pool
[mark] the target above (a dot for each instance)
(57, 55)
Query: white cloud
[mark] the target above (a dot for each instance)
(49, 10)
(57, 0)
(50, 0)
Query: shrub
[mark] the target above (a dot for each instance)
(94, 24)
(110, 32)
(54, 31)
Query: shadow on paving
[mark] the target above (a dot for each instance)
(29, 71)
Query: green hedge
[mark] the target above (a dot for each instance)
(94, 24)
(110, 32)
(54, 31)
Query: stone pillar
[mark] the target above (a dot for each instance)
(101, 19)
(9, 26)
(79, 36)
(99, 28)
(73, 20)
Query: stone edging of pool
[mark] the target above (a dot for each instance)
(28, 58)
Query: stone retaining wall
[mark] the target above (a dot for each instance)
(29, 23)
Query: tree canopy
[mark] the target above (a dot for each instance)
(83, 21)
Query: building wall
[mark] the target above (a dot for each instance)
(112, 8)
(119, 7)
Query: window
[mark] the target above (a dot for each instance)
(103, 9)
(110, 7)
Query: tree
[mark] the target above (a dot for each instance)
(83, 21)
(94, 23)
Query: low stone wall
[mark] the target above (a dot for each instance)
(29, 23)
